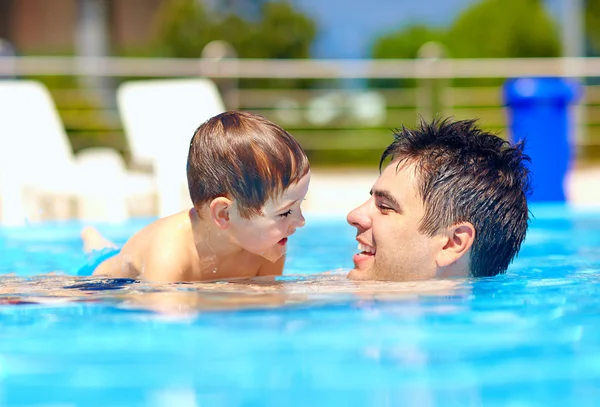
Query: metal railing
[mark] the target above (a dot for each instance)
(324, 118)
(301, 68)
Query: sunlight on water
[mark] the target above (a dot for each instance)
(531, 336)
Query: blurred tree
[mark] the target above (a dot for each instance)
(184, 28)
(403, 44)
(238, 32)
(281, 31)
(284, 32)
(504, 29)
(488, 29)
(250, 9)
(592, 24)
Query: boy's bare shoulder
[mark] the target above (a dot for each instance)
(164, 232)
(162, 245)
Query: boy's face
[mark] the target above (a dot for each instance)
(391, 247)
(267, 235)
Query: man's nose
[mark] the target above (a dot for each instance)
(359, 217)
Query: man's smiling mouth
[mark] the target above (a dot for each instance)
(365, 252)
(365, 249)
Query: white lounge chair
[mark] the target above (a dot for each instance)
(38, 170)
(159, 118)
(107, 186)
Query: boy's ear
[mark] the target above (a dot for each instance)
(219, 211)
(457, 242)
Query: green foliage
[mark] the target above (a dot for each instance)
(281, 32)
(592, 23)
(344, 158)
(239, 33)
(284, 32)
(405, 43)
(184, 28)
(488, 29)
(504, 29)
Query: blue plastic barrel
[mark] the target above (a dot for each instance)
(538, 110)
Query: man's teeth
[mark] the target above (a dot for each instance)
(366, 248)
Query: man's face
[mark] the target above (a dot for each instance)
(390, 246)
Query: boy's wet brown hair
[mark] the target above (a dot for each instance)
(244, 157)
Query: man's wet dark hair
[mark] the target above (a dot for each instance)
(465, 174)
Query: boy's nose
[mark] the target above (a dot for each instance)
(301, 221)
(359, 217)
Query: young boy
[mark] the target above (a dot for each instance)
(247, 178)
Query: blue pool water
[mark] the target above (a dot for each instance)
(530, 337)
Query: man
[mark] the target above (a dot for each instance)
(451, 202)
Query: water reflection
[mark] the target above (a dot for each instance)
(191, 298)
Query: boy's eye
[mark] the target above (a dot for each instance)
(286, 214)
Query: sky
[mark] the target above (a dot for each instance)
(348, 27)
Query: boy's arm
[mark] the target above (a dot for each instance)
(116, 266)
(272, 269)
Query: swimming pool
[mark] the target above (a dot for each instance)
(531, 337)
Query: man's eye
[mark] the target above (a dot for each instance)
(384, 208)
(286, 214)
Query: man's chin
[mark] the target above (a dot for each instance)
(359, 275)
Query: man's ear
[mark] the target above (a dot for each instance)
(458, 240)
(219, 211)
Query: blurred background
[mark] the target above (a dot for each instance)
(338, 75)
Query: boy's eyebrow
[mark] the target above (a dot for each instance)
(286, 206)
(387, 196)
